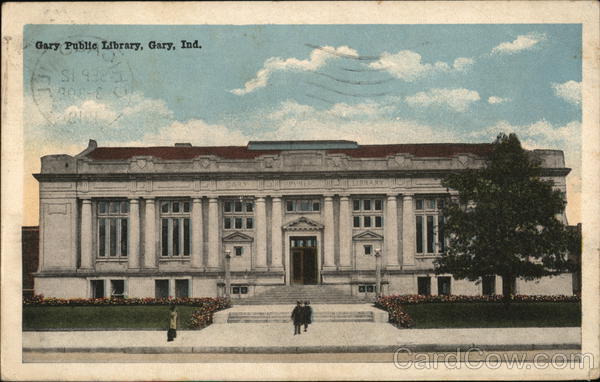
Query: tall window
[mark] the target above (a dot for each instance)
(302, 205)
(367, 213)
(112, 228)
(175, 228)
(238, 214)
(430, 226)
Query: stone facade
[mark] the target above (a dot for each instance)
(157, 221)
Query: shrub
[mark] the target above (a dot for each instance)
(419, 299)
(216, 303)
(398, 317)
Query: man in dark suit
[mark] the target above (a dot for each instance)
(298, 317)
(307, 314)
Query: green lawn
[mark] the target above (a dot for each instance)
(494, 315)
(105, 317)
(433, 315)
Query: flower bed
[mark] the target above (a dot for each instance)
(215, 303)
(418, 299)
(398, 317)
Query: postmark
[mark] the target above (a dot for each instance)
(60, 84)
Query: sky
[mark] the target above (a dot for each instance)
(369, 83)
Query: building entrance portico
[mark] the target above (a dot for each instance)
(303, 260)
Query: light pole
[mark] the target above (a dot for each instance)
(227, 274)
(377, 272)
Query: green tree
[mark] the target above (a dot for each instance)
(504, 220)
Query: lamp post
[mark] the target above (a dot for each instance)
(227, 274)
(378, 272)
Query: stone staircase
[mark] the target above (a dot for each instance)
(284, 317)
(289, 294)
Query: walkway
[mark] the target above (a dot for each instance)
(324, 337)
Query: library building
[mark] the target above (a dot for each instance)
(194, 221)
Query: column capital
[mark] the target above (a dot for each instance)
(344, 197)
(407, 195)
(328, 198)
(392, 196)
(134, 201)
(150, 199)
(197, 200)
(213, 199)
(260, 199)
(86, 200)
(276, 197)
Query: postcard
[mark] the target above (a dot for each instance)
(300, 191)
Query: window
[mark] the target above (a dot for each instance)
(97, 288)
(117, 288)
(238, 214)
(430, 226)
(369, 212)
(303, 205)
(424, 286)
(239, 251)
(239, 289)
(443, 286)
(175, 228)
(366, 288)
(488, 285)
(161, 288)
(182, 288)
(368, 249)
(112, 228)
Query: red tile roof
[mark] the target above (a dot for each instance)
(434, 150)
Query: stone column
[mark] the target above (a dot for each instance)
(497, 284)
(150, 235)
(408, 231)
(197, 232)
(261, 233)
(86, 234)
(345, 233)
(328, 240)
(134, 233)
(276, 238)
(434, 285)
(213, 233)
(171, 288)
(391, 231)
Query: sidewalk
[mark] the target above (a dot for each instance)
(325, 337)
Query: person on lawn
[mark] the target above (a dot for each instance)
(172, 332)
(308, 314)
(298, 317)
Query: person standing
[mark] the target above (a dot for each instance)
(172, 332)
(308, 314)
(298, 317)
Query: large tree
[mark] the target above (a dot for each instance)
(504, 221)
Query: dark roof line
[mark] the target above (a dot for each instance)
(433, 150)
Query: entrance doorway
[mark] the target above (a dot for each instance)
(303, 253)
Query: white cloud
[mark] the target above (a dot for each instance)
(522, 42)
(455, 99)
(318, 58)
(98, 111)
(370, 123)
(496, 100)
(570, 91)
(406, 65)
(198, 133)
